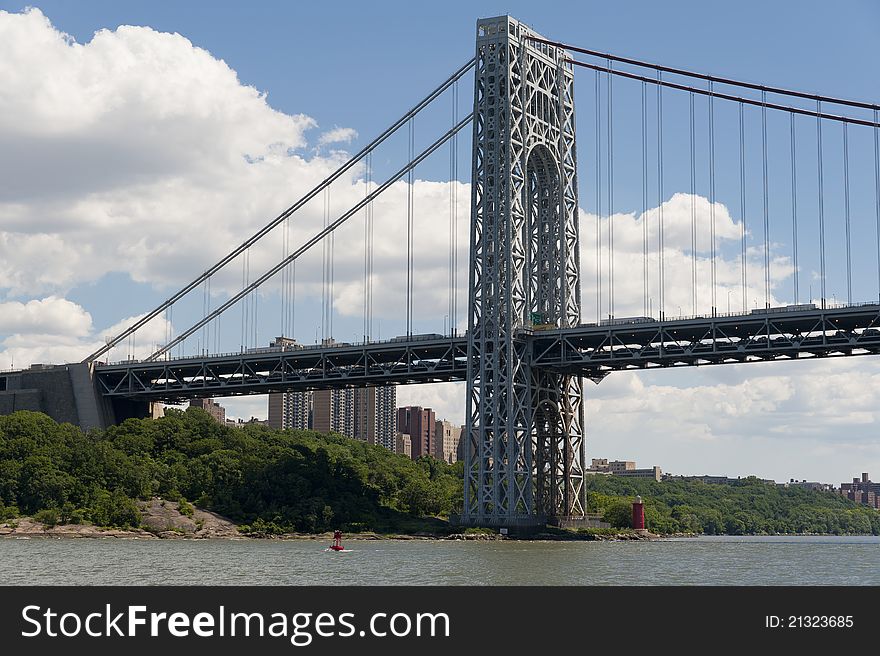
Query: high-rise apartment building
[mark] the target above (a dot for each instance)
(446, 439)
(403, 445)
(290, 410)
(374, 415)
(365, 413)
(217, 411)
(419, 423)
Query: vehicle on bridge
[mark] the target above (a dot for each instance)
(619, 321)
(785, 308)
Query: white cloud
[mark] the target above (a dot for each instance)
(337, 135)
(49, 316)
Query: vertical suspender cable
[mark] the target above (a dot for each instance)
(244, 284)
(332, 270)
(660, 186)
(794, 226)
(846, 213)
(285, 277)
(170, 328)
(255, 315)
(208, 342)
(325, 270)
(598, 199)
(693, 208)
(742, 208)
(766, 201)
(712, 196)
(610, 121)
(409, 233)
(821, 201)
(204, 314)
(366, 248)
(645, 197)
(372, 224)
(453, 213)
(877, 194)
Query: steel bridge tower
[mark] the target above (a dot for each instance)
(524, 460)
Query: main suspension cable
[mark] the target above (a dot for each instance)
(726, 96)
(318, 237)
(710, 78)
(229, 257)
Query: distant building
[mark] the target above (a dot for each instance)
(715, 480)
(366, 414)
(217, 411)
(808, 485)
(419, 423)
(462, 444)
(446, 439)
(653, 472)
(622, 468)
(374, 416)
(290, 410)
(862, 491)
(241, 423)
(403, 445)
(333, 411)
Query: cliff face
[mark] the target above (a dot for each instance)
(165, 520)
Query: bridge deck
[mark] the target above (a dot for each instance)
(589, 350)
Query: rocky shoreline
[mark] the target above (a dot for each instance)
(164, 520)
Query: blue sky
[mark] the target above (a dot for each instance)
(359, 66)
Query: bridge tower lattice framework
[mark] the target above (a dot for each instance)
(524, 455)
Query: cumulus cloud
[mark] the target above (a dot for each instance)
(48, 316)
(337, 135)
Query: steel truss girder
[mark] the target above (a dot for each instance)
(417, 361)
(597, 350)
(588, 350)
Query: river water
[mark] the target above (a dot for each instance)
(777, 560)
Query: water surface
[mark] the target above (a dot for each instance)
(725, 560)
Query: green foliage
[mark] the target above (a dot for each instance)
(745, 507)
(8, 512)
(184, 507)
(618, 514)
(270, 481)
(47, 516)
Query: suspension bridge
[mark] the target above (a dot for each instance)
(677, 162)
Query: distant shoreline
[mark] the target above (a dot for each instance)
(26, 528)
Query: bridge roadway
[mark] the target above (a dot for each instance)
(589, 350)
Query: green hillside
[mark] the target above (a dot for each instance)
(744, 507)
(272, 481)
(282, 481)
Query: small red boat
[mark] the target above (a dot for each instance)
(337, 542)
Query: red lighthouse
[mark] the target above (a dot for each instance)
(638, 514)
